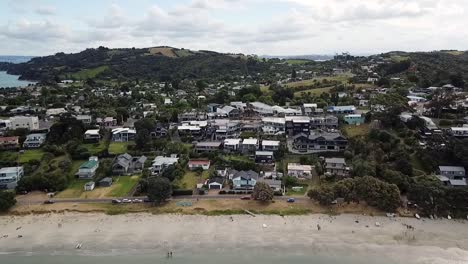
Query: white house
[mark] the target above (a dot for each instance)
(92, 135)
(459, 131)
(89, 186)
(123, 134)
(9, 177)
(273, 125)
(29, 122)
(270, 145)
(249, 145)
(232, 144)
(34, 140)
(452, 175)
(161, 162)
(88, 169)
(86, 119)
(194, 164)
(299, 171)
(55, 111)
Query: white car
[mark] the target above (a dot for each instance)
(137, 200)
(126, 201)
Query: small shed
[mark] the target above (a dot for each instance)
(106, 182)
(215, 183)
(89, 186)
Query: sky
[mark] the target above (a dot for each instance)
(262, 27)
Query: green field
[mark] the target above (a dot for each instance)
(315, 91)
(96, 147)
(30, 154)
(116, 148)
(89, 73)
(123, 185)
(355, 131)
(120, 187)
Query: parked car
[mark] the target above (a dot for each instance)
(49, 202)
(291, 200)
(126, 201)
(245, 198)
(137, 200)
(146, 200)
(116, 201)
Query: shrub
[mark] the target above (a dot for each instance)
(181, 192)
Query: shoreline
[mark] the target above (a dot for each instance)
(145, 234)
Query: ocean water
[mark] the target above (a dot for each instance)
(7, 80)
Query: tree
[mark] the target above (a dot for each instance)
(142, 138)
(262, 192)
(171, 173)
(159, 189)
(66, 129)
(429, 194)
(325, 195)
(293, 74)
(7, 200)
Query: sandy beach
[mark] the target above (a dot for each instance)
(425, 241)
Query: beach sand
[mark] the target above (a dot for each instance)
(398, 239)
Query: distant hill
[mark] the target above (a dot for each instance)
(155, 63)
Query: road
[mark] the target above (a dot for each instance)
(186, 197)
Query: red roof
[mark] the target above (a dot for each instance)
(8, 139)
(199, 162)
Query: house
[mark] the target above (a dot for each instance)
(354, 119)
(106, 122)
(9, 142)
(123, 134)
(126, 164)
(194, 164)
(34, 140)
(317, 142)
(29, 122)
(89, 186)
(347, 109)
(191, 115)
(452, 176)
(261, 108)
(459, 131)
(336, 166)
(55, 111)
(106, 182)
(275, 185)
(167, 101)
(86, 119)
(161, 130)
(249, 145)
(228, 111)
(208, 146)
(270, 145)
(161, 162)
(264, 157)
(300, 171)
(273, 125)
(304, 124)
(88, 169)
(215, 183)
(232, 144)
(92, 135)
(364, 103)
(243, 180)
(9, 177)
(309, 109)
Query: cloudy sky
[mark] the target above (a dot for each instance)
(274, 27)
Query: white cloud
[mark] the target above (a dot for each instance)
(34, 31)
(46, 10)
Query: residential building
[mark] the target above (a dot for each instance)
(55, 111)
(249, 145)
(126, 164)
(354, 119)
(195, 164)
(9, 142)
(336, 166)
(208, 146)
(86, 119)
(228, 111)
(232, 144)
(270, 145)
(9, 177)
(89, 186)
(459, 131)
(300, 171)
(260, 108)
(243, 180)
(106, 182)
(34, 140)
(88, 169)
(5, 125)
(309, 109)
(161, 130)
(192, 115)
(348, 109)
(215, 183)
(317, 142)
(92, 135)
(107, 121)
(274, 184)
(304, 124)
(273, 125)
(123, 134)
(161, 162)
(452, 175)
(29, 122)
(264, 157)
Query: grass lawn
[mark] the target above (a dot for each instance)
(8, 156)
(291, 192)
(118, 148)
(236, 157)
(30, 154)
(120, 187)
(95, 147)
(188, 181)
(315, 91)
(89, 73)
(355, 131)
